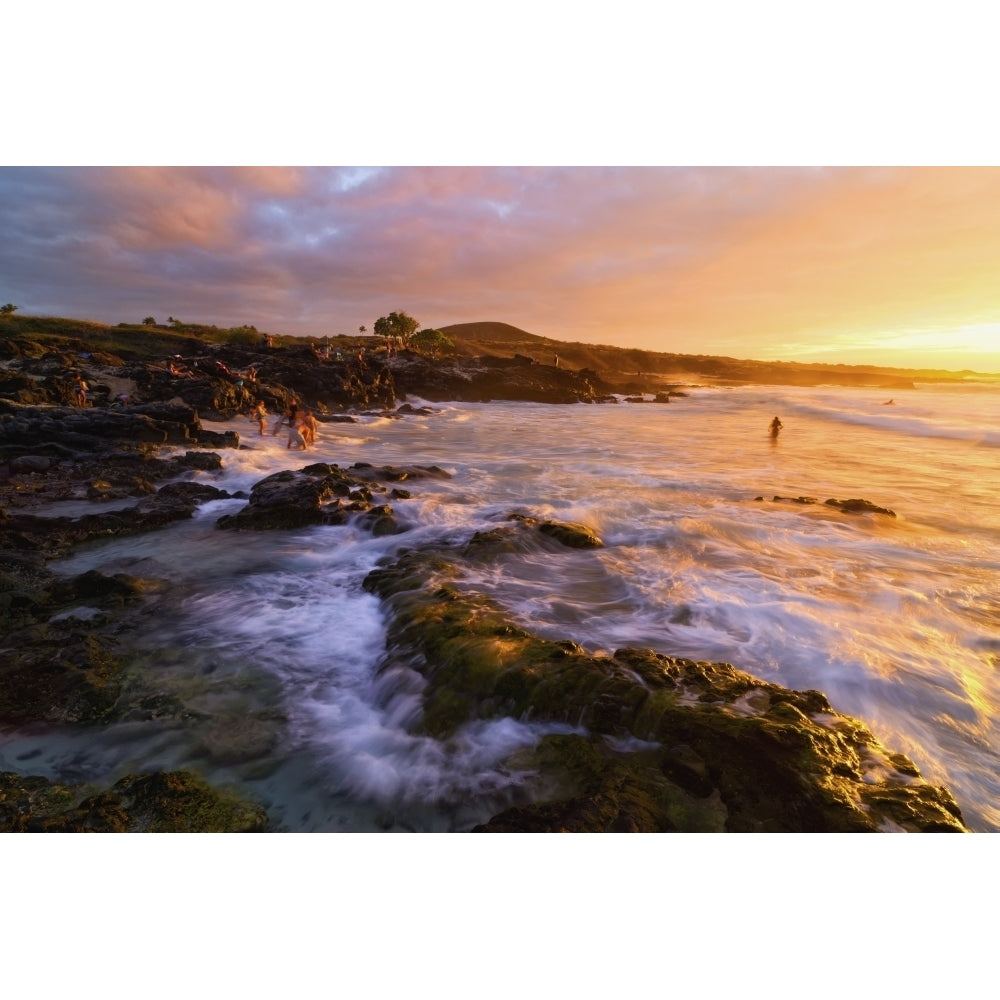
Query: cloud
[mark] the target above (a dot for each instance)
(703, 260)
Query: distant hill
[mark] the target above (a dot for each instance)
(614, 363)
(500, 333)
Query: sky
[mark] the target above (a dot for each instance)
(871, 265)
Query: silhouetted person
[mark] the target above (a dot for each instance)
(775, 427)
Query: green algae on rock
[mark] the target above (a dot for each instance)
(162, 802)
(663, 743)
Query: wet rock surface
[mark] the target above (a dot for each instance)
(55, 536)
(326, 494)
(854, 506)
(662, 744)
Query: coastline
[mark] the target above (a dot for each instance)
(590, 772)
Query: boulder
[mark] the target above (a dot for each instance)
(571, 534)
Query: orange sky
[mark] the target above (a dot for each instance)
(895, 266)
(892, 266)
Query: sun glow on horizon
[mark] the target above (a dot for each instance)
(974, 347)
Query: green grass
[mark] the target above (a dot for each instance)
(133, 342)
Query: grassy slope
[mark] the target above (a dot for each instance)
(135, 342)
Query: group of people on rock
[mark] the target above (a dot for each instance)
(302, 423)
(179, 368)
(362, 356)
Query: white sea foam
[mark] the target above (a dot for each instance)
(895, 619)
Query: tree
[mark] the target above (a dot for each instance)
(362, 329)
(246, 335)
(149, 321)
(396, 324)
(432, 341)
(8, 309)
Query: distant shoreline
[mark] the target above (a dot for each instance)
(625, 368)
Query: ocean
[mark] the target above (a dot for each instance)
(272, 644)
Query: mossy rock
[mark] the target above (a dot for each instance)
(722, 749)
(571, 534)
(60, 677)
(521, 534)
(162, 802)
(600, 789)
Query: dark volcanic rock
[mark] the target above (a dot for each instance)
(324, 494)
(860, 507)
(516, 536)
(90, 429)
(55, 536)
(848, 506)
(104, 476)
(488, 378)
(291, 500)
(395, 473)
(329, 384)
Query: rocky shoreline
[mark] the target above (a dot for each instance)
(659, 744)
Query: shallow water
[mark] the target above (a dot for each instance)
(271, 637)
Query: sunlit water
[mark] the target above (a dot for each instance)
(270, 636)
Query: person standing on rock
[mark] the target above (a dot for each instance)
(80, 388)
